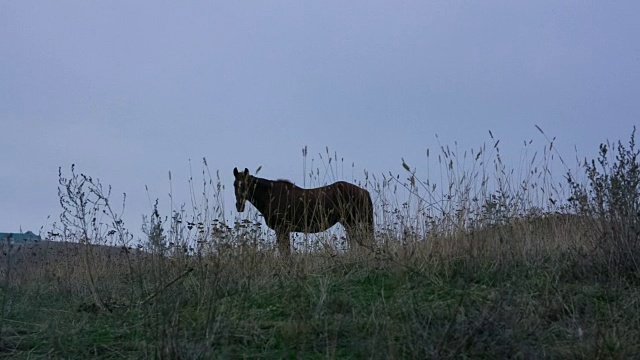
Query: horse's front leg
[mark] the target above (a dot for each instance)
(282, 238)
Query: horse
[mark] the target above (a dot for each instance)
(287, 208)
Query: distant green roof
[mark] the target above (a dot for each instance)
(20, 237)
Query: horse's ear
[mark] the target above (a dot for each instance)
(235, 171)
(246, 172)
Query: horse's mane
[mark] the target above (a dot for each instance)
(284, 182)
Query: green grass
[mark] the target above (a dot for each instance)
(346, 307)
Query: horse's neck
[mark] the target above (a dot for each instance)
(259, 197)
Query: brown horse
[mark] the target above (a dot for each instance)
(288, 208)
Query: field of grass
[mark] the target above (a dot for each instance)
(510, 277)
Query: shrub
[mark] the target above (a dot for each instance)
(612, 199)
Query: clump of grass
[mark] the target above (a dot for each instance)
(476, 206)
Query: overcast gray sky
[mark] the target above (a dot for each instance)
(130, 90)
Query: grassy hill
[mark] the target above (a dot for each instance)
(526, 289)
(470, 274)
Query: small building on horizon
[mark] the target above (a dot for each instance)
(19, 237)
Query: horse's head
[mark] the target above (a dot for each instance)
(241, 187)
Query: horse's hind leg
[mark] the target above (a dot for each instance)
(359, 233)
(282, 238)
(359, 229)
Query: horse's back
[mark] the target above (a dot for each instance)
(352, 190)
